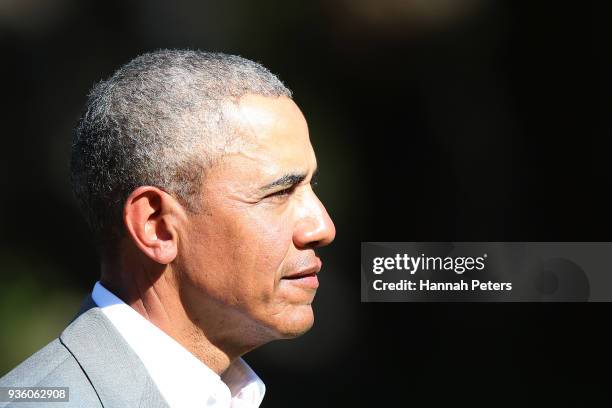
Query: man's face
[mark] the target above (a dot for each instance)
(243, 254)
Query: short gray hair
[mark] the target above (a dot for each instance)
(158, 121)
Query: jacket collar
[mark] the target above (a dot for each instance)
(114, 370)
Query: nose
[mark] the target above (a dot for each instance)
(314, 227)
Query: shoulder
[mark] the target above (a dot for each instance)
(46, 362)
(52, 366)
(92, 359)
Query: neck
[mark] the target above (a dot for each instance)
(152, 290)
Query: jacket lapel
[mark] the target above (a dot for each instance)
(114, 370)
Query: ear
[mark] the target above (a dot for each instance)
(150, 216)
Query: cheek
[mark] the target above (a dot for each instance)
(269, 240)
(241, 253)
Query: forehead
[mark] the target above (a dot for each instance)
(273, 140)
(263, 120)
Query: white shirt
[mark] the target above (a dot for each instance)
(181, 378)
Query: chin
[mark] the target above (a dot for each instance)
(295, 323)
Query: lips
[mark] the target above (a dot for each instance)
(294, 277)
(311, 270)
(305, 277)
(304, 273)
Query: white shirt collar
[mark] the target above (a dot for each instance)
(181, 378)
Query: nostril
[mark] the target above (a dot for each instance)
(313, 244)
(308, 244)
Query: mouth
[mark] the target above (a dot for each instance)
(306, 277)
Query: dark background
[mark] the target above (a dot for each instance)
(433, 120)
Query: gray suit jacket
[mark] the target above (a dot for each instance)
(92, 359)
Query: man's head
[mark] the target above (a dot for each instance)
(195, 169)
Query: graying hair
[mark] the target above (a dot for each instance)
(158, 121)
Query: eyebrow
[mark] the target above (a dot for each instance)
(289, 180)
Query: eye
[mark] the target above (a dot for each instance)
(282, 193)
